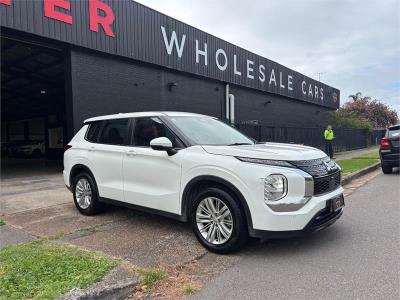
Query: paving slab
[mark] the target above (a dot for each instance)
(29, 184)
(61, 219)
(147, 241)
(16, 203)
(10, 236)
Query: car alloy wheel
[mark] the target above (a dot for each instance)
(214, 220)
(83, 193)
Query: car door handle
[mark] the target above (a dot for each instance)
(130, 152)
(92, 148)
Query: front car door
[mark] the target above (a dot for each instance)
(152, 178)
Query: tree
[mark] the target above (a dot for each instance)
(361, 109)
(345, 119)
(358, 96)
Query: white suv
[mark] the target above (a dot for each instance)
(196, 168)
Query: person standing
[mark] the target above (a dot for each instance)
(329, 137)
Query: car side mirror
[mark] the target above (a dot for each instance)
(162, 144)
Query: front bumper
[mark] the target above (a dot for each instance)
(321, 220)
(265, 219)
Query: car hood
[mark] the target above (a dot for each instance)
(276, 151)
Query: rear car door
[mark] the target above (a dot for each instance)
(105, 154)
(152, 178)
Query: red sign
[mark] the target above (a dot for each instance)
(60, 10)
(6, 2)
(51, 12)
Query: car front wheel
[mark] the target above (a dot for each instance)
(218, 221)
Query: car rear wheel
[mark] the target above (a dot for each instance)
(86, 195)
(386, 169)
(218, 221)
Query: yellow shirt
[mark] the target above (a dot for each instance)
(328, 134)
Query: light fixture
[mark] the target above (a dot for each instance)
(171, 85)
(43, 92)
(267, 102)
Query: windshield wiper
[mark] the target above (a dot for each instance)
(239, 144)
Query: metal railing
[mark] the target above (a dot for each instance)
(345, 138)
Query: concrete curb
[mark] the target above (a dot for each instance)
(348, 178)
(118, 284)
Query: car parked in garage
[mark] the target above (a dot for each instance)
(389, 150)
(32, 148)
(196, 168)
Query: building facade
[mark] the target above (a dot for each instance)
(64, 61)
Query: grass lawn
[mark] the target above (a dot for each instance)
(150, 277)
(372, 155)
(352, 165)
(348, 151)
(44, 270)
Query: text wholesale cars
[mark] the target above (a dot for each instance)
(196, 168)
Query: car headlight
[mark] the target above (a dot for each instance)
(270, 162)
(275, 187)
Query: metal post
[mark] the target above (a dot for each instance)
(227, 110)
(232, 109)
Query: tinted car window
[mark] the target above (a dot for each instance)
(93, 132)
(146, 129)
(114, 132)
(393, 131)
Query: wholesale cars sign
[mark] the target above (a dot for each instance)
(129, 29)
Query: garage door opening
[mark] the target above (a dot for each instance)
(32, 106)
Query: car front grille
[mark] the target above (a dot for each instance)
(325, 184)
(325, 172)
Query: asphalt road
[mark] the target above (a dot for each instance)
(356, 258)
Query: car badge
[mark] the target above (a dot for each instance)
(327, 166)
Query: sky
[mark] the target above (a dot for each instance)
(354, 44)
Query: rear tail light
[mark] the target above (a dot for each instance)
(385, 143)
(66, 147)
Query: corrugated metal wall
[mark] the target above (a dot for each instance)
(138, 36)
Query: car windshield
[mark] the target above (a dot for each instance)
(209, 131)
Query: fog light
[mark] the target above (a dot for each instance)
(275, 187)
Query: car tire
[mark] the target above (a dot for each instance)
(226, 231)
(386, 169)
(85, 193)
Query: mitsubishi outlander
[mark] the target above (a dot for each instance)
(198, 169)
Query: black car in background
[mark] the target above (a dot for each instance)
(389, 149)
